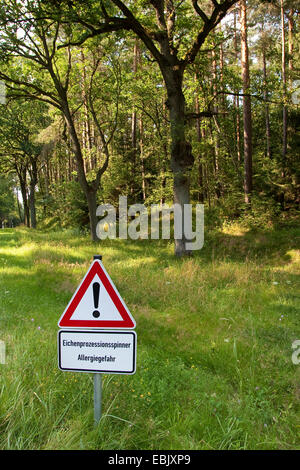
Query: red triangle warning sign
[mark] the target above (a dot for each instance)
(97, 303)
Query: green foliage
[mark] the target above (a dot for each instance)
(8, 214)
(66, 207)
(125, 85)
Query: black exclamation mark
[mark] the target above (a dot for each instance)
(96, 294)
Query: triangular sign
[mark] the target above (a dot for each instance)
(96, 303)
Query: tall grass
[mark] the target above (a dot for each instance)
(214, 367)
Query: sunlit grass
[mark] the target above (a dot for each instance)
(214, 367)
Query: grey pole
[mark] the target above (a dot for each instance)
(97, 385)
(97, 397)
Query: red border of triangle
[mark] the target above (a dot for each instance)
(66, 320)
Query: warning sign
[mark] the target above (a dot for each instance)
(97, 303)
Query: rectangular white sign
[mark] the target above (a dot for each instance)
(109, 352)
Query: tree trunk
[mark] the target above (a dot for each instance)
(33, 183)
(46, 178)
(284, 109)
(215, 135)
(199, 138)
(18, 205)
(267, 111)
(134, 122)
(236, 98)
(134, 114)
(283, 69)
(247, 118)
(291, 45)
(181, 151)
(141, 129)
(91, 197)
(86, 127)
(32, 205)
(89, 190)
(23, 186)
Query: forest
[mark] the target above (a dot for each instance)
(159, 101)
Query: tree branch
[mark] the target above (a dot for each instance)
(136, 26)
(41, 95)
(199, 11)
(232, 93)
(189, 116)
(210, 23)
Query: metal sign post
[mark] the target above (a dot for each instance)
(97, 352)
(97, 397)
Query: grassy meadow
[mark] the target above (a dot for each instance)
(214, 368)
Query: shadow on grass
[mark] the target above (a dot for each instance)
(270, 247)
(263, 246)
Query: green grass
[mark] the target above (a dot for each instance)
(214, 367)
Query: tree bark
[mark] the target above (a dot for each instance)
(283, 69)
(215, 135)
(267, 110)
(86, 125)
(182, 159)
(22, 175)
(291, 45)
(32, 185)
(91, 197)
(134, 119)
(141, 129)
(284, 108)
(199, 138)
(247, 118)
(32, 206)
(236, 98)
